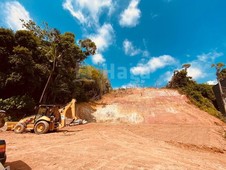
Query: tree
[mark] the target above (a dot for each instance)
(93, 81)
(219, 68)
(89, 46)
(65, 56)
(7, 42)
(43, 58)
(180, 78)
(186, 66)
(222, 74)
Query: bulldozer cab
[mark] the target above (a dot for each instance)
(50, 111)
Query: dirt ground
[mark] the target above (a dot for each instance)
(135, 129)
(117, 146)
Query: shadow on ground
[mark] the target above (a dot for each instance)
(18, 165)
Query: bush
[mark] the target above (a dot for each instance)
(17, 107)
(199, 94)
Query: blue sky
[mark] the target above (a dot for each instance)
(140, 42)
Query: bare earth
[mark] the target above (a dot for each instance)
(139, 129)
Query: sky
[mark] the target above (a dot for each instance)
(139, 42)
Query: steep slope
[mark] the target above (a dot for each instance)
(150, 106)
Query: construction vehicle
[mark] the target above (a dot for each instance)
(48, 118)
(2, 152)
(2, 142)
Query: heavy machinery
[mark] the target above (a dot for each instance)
(2, 152)
(46, 119)
(2, 142)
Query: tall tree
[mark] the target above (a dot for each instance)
(186, 66)
(7, 42)
(65, 55)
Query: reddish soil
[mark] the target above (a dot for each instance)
(141, 129)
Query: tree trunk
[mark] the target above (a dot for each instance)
(222, 94)
(49, 78)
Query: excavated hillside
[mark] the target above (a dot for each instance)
(171, 115)
(129, 129)
(146, 105)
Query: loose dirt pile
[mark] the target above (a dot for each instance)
(141, 129)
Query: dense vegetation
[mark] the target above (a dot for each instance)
(42, 58)
(200, 94)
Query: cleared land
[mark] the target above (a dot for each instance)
(140, 129)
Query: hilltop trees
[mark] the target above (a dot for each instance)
(180, 78)
(222, 74)
(200, 94)
(220, 71)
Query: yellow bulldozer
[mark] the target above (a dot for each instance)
(47, 118)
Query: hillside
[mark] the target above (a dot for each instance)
(148, 105)
(175, 117)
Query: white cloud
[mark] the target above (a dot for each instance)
(196, 72)
(212, 82)
(164, 78)
(130, 85)
(167, 76)
(145, 53)
(129, 48)
(68, 5)
(209, 56)
(201, 67)
(86, 11)
(103, 39)
(98, 59)
(131, 15)
(11, 13)
(153, 64)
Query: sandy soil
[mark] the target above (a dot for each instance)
(140, 129)
(104, 146)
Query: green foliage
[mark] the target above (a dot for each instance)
(17, 102)
(31, 57)
(92, 82)
(219, 68)
(222, 74)
(200, 94)
(88, 46)
(180, 79)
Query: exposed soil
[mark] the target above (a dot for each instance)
(139, 129)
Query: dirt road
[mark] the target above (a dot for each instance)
(141, 129)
